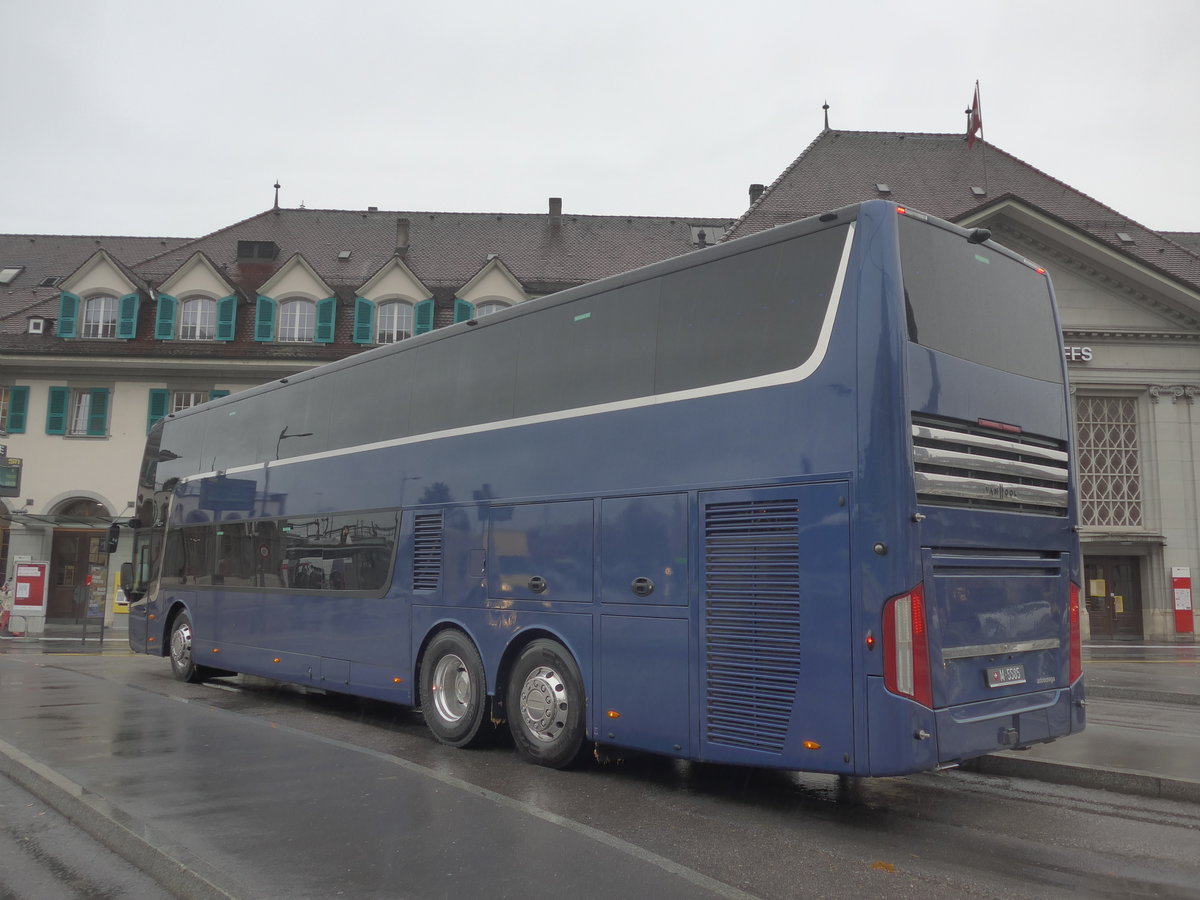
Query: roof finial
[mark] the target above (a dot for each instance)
(277, 193)
(826, 108)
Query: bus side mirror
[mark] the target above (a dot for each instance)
(114, 537)
(127, 577)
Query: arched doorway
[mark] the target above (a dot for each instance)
(78, 561)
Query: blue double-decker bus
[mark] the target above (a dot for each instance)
(802, 500)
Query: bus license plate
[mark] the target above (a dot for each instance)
(1002, 676)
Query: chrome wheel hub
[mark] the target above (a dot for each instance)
(544, 704)
(451, 688)
(181, 646)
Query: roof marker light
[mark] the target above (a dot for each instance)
(902, 210)
(999, 426)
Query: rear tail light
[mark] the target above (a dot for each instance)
(906, 647)
(1076, 651)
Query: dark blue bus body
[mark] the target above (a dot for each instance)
(808, 569)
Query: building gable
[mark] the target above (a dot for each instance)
(296, 278)
(99, 274)
(395, 281)
(495, 281)
(197, 276)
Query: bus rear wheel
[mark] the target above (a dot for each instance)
(454, 690)
(546, 705)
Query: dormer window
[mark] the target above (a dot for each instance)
(197, 319)
(297, 320)
(99, 317)
(395, 322)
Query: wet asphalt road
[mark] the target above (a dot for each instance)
(275, 793)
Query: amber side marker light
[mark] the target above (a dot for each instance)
(397, 680)
(811, 745)
(613, 714)
(216, 649)
(275, 660)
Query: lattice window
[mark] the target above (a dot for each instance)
(1110, 483)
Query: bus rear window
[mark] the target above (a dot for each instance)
(975, 303)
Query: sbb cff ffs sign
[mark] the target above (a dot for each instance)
(10, 476)
(1181, 587)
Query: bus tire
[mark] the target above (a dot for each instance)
(454, 690)
(183, 666)
(545, 706)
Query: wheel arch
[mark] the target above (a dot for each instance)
(173, 611)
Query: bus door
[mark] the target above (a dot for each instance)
(775, 655)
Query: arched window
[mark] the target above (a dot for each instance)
(297, 320)
(487, 307)
(100, 317)
(395, 322)
(197, 319)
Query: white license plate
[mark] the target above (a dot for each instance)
(1002, 676)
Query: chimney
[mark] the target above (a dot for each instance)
(756, 191)
(372, 209)
(401, 234)
(556, 210)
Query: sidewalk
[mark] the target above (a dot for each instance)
(1143, 726)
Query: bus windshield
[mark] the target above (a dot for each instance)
(981, 306)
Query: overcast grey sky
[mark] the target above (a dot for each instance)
(156, 117)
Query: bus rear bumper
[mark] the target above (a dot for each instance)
(1008, 723)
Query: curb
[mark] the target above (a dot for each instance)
(1120, 781)
(1141, 695)
(178, 872)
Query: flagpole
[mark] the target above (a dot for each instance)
(982, 139)
(975, 123)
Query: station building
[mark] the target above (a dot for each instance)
(1129, 302)
(101, 336)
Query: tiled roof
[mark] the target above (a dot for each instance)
(43, 256)
(443, 249)
(936, 173)
(1188, 239)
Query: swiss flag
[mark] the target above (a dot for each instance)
(974, 119)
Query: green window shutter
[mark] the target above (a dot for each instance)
(226, 318)
(98, 413)
(364, 321)
(68, 312)
(463, 310)
(160, 399)
(326, 318)
(264, 320)
(127, 312)
(213, 395)
(164, 321)
(56, 410)
(423, 317)
(18, 407)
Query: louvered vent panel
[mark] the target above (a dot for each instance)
(964, 465)
(427, 552)
(751, 622)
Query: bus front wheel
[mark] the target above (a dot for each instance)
(546, 705)
(454, 690)
(183, 666)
